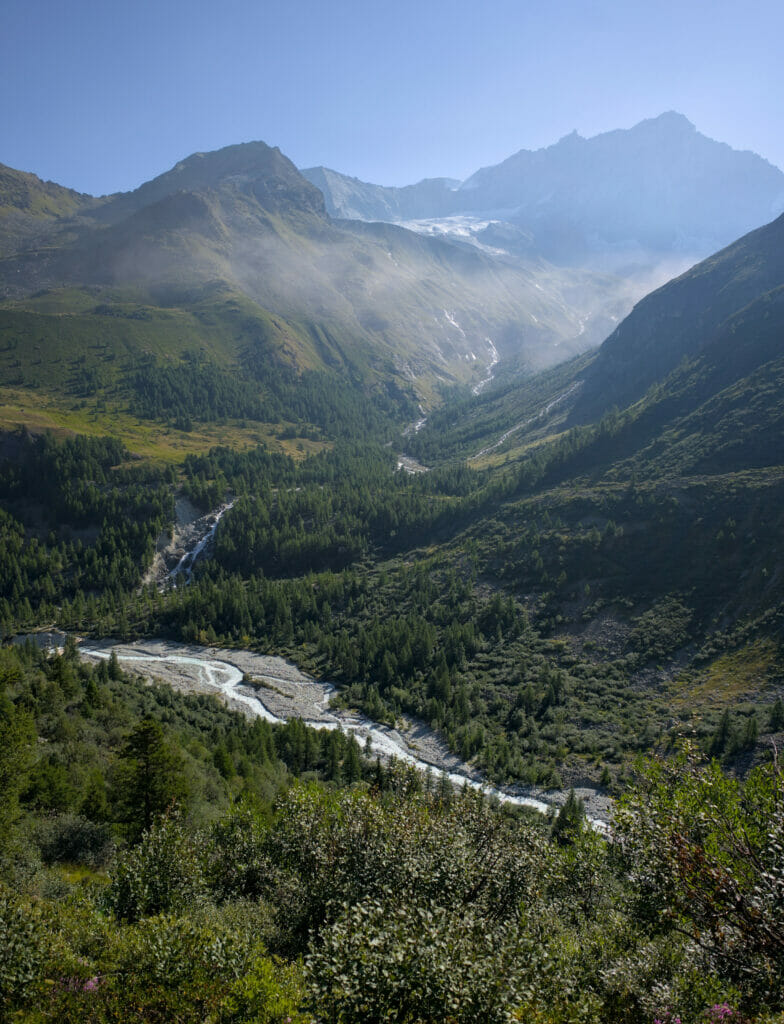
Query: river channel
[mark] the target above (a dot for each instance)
(276, 690)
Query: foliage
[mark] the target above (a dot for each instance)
(383, 961)
(707, 860)
(72, 838)
(162, 873)
(195, 389)
(148, 776)
(16, 756)
(164, 969)
(409, 906)
(22, 950)
(271, 991)
(330, 850)
(74, 519)
(569, 819)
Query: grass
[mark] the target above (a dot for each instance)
(39, 412)
(61, 361)
(54, 338)
(734, 676)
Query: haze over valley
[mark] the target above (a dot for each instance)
(392, 576)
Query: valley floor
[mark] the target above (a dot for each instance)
(275, 689)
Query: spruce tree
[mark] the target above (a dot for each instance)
(149, 778)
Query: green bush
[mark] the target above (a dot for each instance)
(23, 951)
(236, 865)
(162, 970)
(415, 964)
(705, 854)
(269, 992)
(161, 874)
(71, 838)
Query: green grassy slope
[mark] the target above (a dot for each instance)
(371, 302)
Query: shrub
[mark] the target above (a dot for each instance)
(73, 839)
(161, 874)
(162, 970)
(23, 951)
(415, 964)
(269, 992)
(706, 856)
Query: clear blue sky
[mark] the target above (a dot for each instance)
(101, 95)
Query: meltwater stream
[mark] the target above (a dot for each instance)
(187, 669)
(187, 561)
(274, 689)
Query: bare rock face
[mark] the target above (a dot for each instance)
(176, 551)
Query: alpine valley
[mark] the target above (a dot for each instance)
(497, 467)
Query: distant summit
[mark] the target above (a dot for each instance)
(241, 228)
(252, 167)
(660, 188)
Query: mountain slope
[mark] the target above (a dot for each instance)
(658, 188)
(374, 303)
(30, 208)
(352, 199)
(648, 476)
(717, 325)
(273, 179)
(682, 318)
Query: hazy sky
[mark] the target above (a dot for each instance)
(101, 95)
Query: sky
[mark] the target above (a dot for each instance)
(101, 96)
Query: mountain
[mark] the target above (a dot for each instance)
(352, 199)
(628, 195)
(537, 582)
(376, 303)
(368, 300)
(252, 167)
(716, 300)
(554, 573)
(654, 469)
(661, 184)
(716, 325)
(29, 208)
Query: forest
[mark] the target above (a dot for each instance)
(164, 858)
(413, 592)
(578, 605)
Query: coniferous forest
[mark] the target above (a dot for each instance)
(564, 574)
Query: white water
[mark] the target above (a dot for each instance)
(186, 563)
(225, 678)
(494, 357)
(217, 675)
(411, 466)
(404, 461)
(415, 427)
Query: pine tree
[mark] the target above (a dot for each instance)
(353, 766)
(569, 819)
(149, 777)
(17, 738)
(777, 716)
